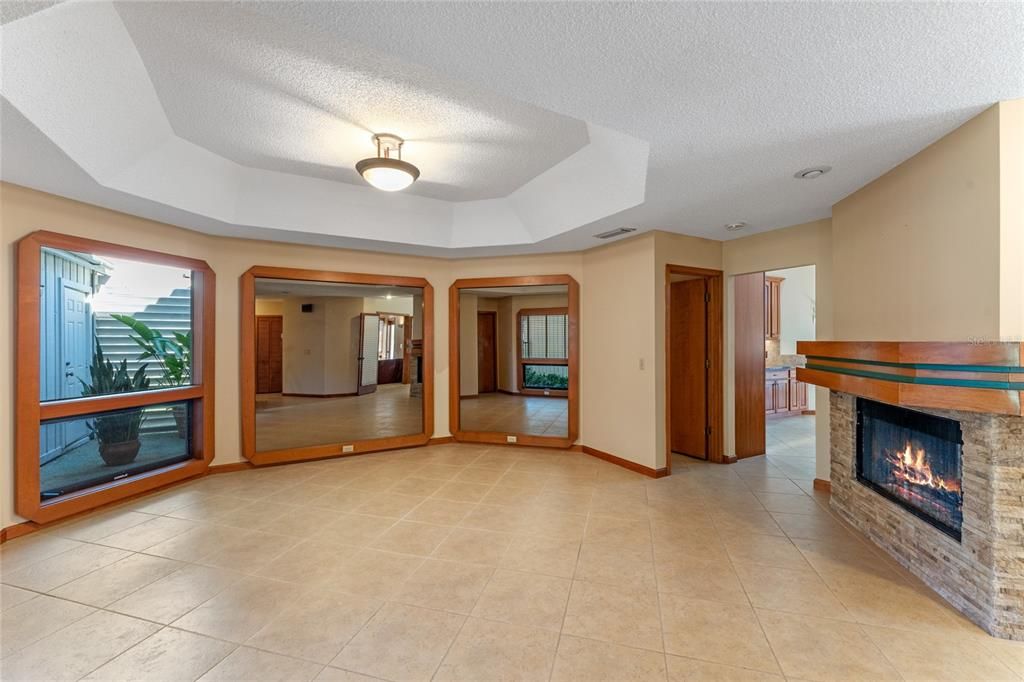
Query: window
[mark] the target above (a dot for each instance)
(544, 335)
(114, 356)
(544, 350)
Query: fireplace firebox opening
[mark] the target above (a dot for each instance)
(914, 460)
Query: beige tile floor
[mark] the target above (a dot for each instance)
(294, 421)
(504, 413)
(473, 563)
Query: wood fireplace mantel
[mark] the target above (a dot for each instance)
(973, 377)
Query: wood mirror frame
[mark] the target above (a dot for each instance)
(247, 301)
(30, 411)
(458, 434)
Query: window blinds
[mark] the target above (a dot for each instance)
(545, 336)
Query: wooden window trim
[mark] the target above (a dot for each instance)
(520, 361)
(247, 366)
(573, 311)
(29, 411)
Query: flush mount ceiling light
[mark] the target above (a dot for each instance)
(387, 171)
(811, 173)
(735, 227)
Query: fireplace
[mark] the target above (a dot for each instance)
(913, 459)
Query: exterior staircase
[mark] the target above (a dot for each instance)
(169, 314)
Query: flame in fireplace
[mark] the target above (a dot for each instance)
(911, 466)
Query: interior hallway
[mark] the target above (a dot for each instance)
(294, 421)
(475, 563)
(505, 413)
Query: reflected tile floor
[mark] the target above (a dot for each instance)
(296, 421)
(504, 413)
(461, 562)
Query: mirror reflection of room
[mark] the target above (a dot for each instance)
(336, 363)
(514, 360)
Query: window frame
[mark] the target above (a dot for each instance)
(247, 366)
(30, 411)
(573, 336)
(521, 361)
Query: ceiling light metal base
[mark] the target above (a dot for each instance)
(387, 171)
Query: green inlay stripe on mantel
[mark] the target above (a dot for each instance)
(929, 381)
(993, 369)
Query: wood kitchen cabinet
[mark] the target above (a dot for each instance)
(772, 292)
(783, 393)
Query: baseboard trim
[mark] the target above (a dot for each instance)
(229, 468)
(809, 412)
(441, 440)
(729, 459)
(17, 530)
(625, 463)
(823, 485)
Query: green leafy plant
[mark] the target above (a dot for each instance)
(535, 378)
(105, 379)
(173, 353)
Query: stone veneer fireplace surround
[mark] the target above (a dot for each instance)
(983, 574)
(981, 387)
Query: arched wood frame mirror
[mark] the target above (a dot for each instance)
(364, 326)
(114, 373)
(562, 319)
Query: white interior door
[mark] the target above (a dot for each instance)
(369, 338)
(76, 352)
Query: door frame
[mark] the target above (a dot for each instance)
(493, 314)
(573, 290)
(247, 365)
(715, 444)
(280, 317)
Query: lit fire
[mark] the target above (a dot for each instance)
(911, 466)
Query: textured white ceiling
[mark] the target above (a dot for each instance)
(270, 93)
(732, 97)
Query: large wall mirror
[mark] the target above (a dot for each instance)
(334, 363)
(515, 360)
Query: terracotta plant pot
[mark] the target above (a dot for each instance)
(116, 454)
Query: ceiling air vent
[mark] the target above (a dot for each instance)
(619, 231)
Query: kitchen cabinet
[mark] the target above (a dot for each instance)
(772, 296)
(783, 393)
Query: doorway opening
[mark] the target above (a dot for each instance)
(693, 363)
(774, 410)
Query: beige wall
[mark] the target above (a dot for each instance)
(468, 371)
(395, 306)
(799, 245)
(1011, 220)
(917, 250)
(269, 306)
(508, 333)
(341, 344)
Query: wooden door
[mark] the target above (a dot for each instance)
(369, 342)
(407, 349)
(688, 334)
(269, 363)
(487, 351)
(748, 296)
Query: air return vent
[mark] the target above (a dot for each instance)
(619, 231)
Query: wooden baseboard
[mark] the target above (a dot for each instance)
(729, 459)
(823, 485)
(228, 468)
(625, 463)
(441, 440)
(17, 530)
(809, 412)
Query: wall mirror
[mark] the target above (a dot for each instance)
(515, 360)
(334, 363)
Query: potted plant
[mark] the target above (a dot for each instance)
(173, 354)
(118, 432)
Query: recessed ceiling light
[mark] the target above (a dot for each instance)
(812, 173)
(387, 171)
(735, 227)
